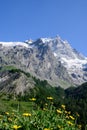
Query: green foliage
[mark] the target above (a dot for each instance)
(7, 67)
(74, 98)
(48, 118)
(76, 101)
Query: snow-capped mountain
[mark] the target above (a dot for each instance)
(52, 59)
(73, 61)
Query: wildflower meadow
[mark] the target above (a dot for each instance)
(46, 118)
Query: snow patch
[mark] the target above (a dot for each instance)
(29, 41)
(44, 40)
(8, 44)
(73, 63)
(55, 54)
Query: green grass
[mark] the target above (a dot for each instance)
(28, 116)
(7, 67)
(15, 105)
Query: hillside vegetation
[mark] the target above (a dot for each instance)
(75, 99)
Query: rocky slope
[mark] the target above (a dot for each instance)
(15, 81)
(47, 58)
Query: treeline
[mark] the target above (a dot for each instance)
(76, 102)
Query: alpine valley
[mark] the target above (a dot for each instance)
(51, 59)
(46, 67)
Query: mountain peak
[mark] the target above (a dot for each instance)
(48, 58)
(29, 41)
(44, 40)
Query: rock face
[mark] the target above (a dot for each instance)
(50, 59)
(15, 82)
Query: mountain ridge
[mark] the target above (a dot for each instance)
(51, 59)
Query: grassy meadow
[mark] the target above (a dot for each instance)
(21, 115)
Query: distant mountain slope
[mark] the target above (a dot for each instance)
(50, 59)
(13, 80)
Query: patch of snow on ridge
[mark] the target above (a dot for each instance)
(7, 44)
(55, 54)
(29, 41)
(44, 40)
(73, 63)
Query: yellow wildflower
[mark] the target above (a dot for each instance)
(46, 129)
(59, 126)
(58, 111)
(9, 119)
(77, 114)
(50, 98)
(26, 114)
(63, 106)
(5, 124)
(71, 117)
(67, 117)
(79, 126)
(66, 112)
(33, 99)
(45, 109)
(69, 112)
(70, 123)
(7, 113)
(15, 127)
(13, 113)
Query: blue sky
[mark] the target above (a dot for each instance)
(25, 19)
